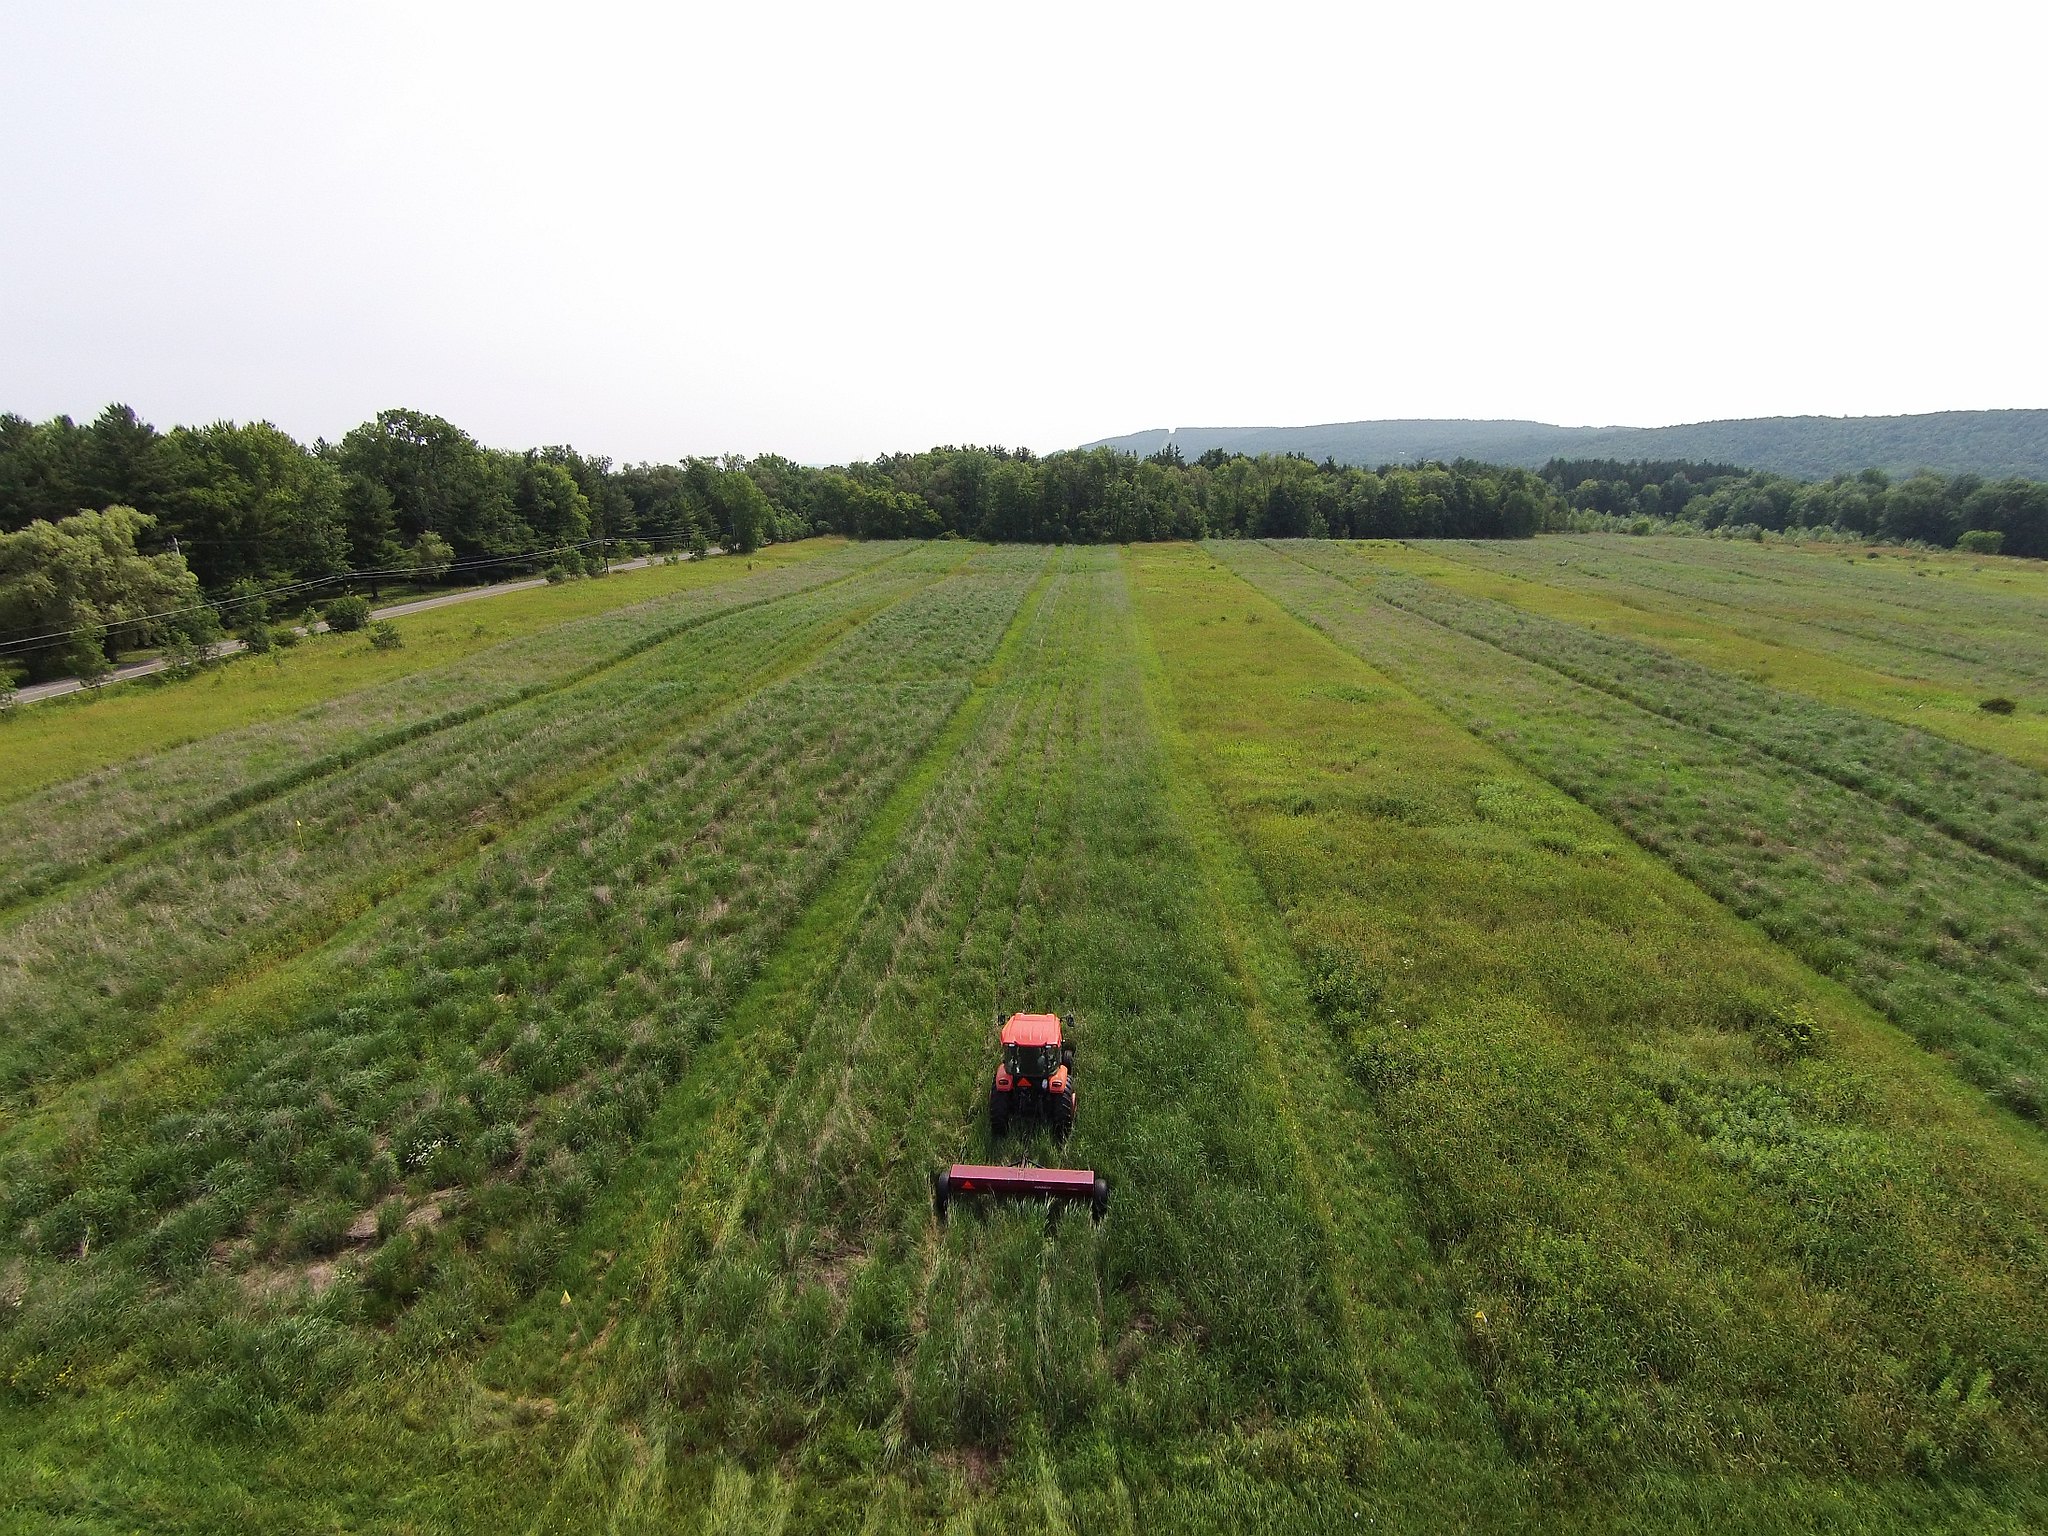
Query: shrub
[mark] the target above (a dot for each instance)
(556, 575)
(1998, 706)
(181, 658)
(348, 613)
(1981, 541)
(285, 636)
(384, 636)
(257, 638)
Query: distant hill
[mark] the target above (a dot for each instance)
(1992, 443)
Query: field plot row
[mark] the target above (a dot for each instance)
(1941, 938)
(1979, 798)
(1701, 1214)
(86, 734)
(85, 972)
(1906, 625)
(484, 1046)
(781, 1332)
(56, 834)
(1805, 664)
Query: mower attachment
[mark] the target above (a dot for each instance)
(1021, 1184)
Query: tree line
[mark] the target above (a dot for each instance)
(1099, 495)
(2008, 516)
(115, 535)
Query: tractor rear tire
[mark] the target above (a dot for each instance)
(1063, 1115)
(998, 1111)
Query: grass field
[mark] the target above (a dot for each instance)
(68, 738)
(1553, 1077)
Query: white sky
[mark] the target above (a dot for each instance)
(835, 230)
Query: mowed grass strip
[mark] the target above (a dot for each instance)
(1979, 798)
(1725, 1248)
(85, 974)
(404, 1131)
(1536, 581)
(1944, 940)
(70, 827)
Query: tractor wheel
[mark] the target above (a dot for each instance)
(998, 1111)
(1063, 1115)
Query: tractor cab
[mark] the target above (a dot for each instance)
(1031, 1046)
(1034, 1073)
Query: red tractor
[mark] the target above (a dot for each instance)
(1035, 1075)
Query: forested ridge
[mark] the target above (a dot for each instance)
(1990, 443)
(114, 534)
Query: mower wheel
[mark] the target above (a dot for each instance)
(1098, 1202)
(942, 1194)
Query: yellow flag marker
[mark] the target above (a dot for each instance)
(566, 1301)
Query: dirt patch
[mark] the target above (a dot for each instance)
(428, 1212)
(974, 1465)
(833, 1267)
(270, 1282)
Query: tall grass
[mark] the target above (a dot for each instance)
(1979, 798)
(1942, 939)
(1799, 662)
(1701, 1212)
(1472, 1170)
(66, 829)
(1908, 625)
(90, 971)
(475, 1061)
(83, 733)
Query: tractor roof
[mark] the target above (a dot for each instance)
(1032, 1029)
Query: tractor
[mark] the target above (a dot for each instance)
(1034, 1074)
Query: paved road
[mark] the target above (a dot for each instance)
(135, 669)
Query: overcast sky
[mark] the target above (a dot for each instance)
(831, 231)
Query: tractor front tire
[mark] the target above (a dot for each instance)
(1063, 1115)
(998, 1111)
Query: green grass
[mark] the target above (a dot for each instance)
(1546, 580)
(542, 1142)
(1942, 938)
(1696, 1207)
(42, 744)
(1928, 620)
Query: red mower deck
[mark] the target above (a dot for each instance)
(1020, 1184)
